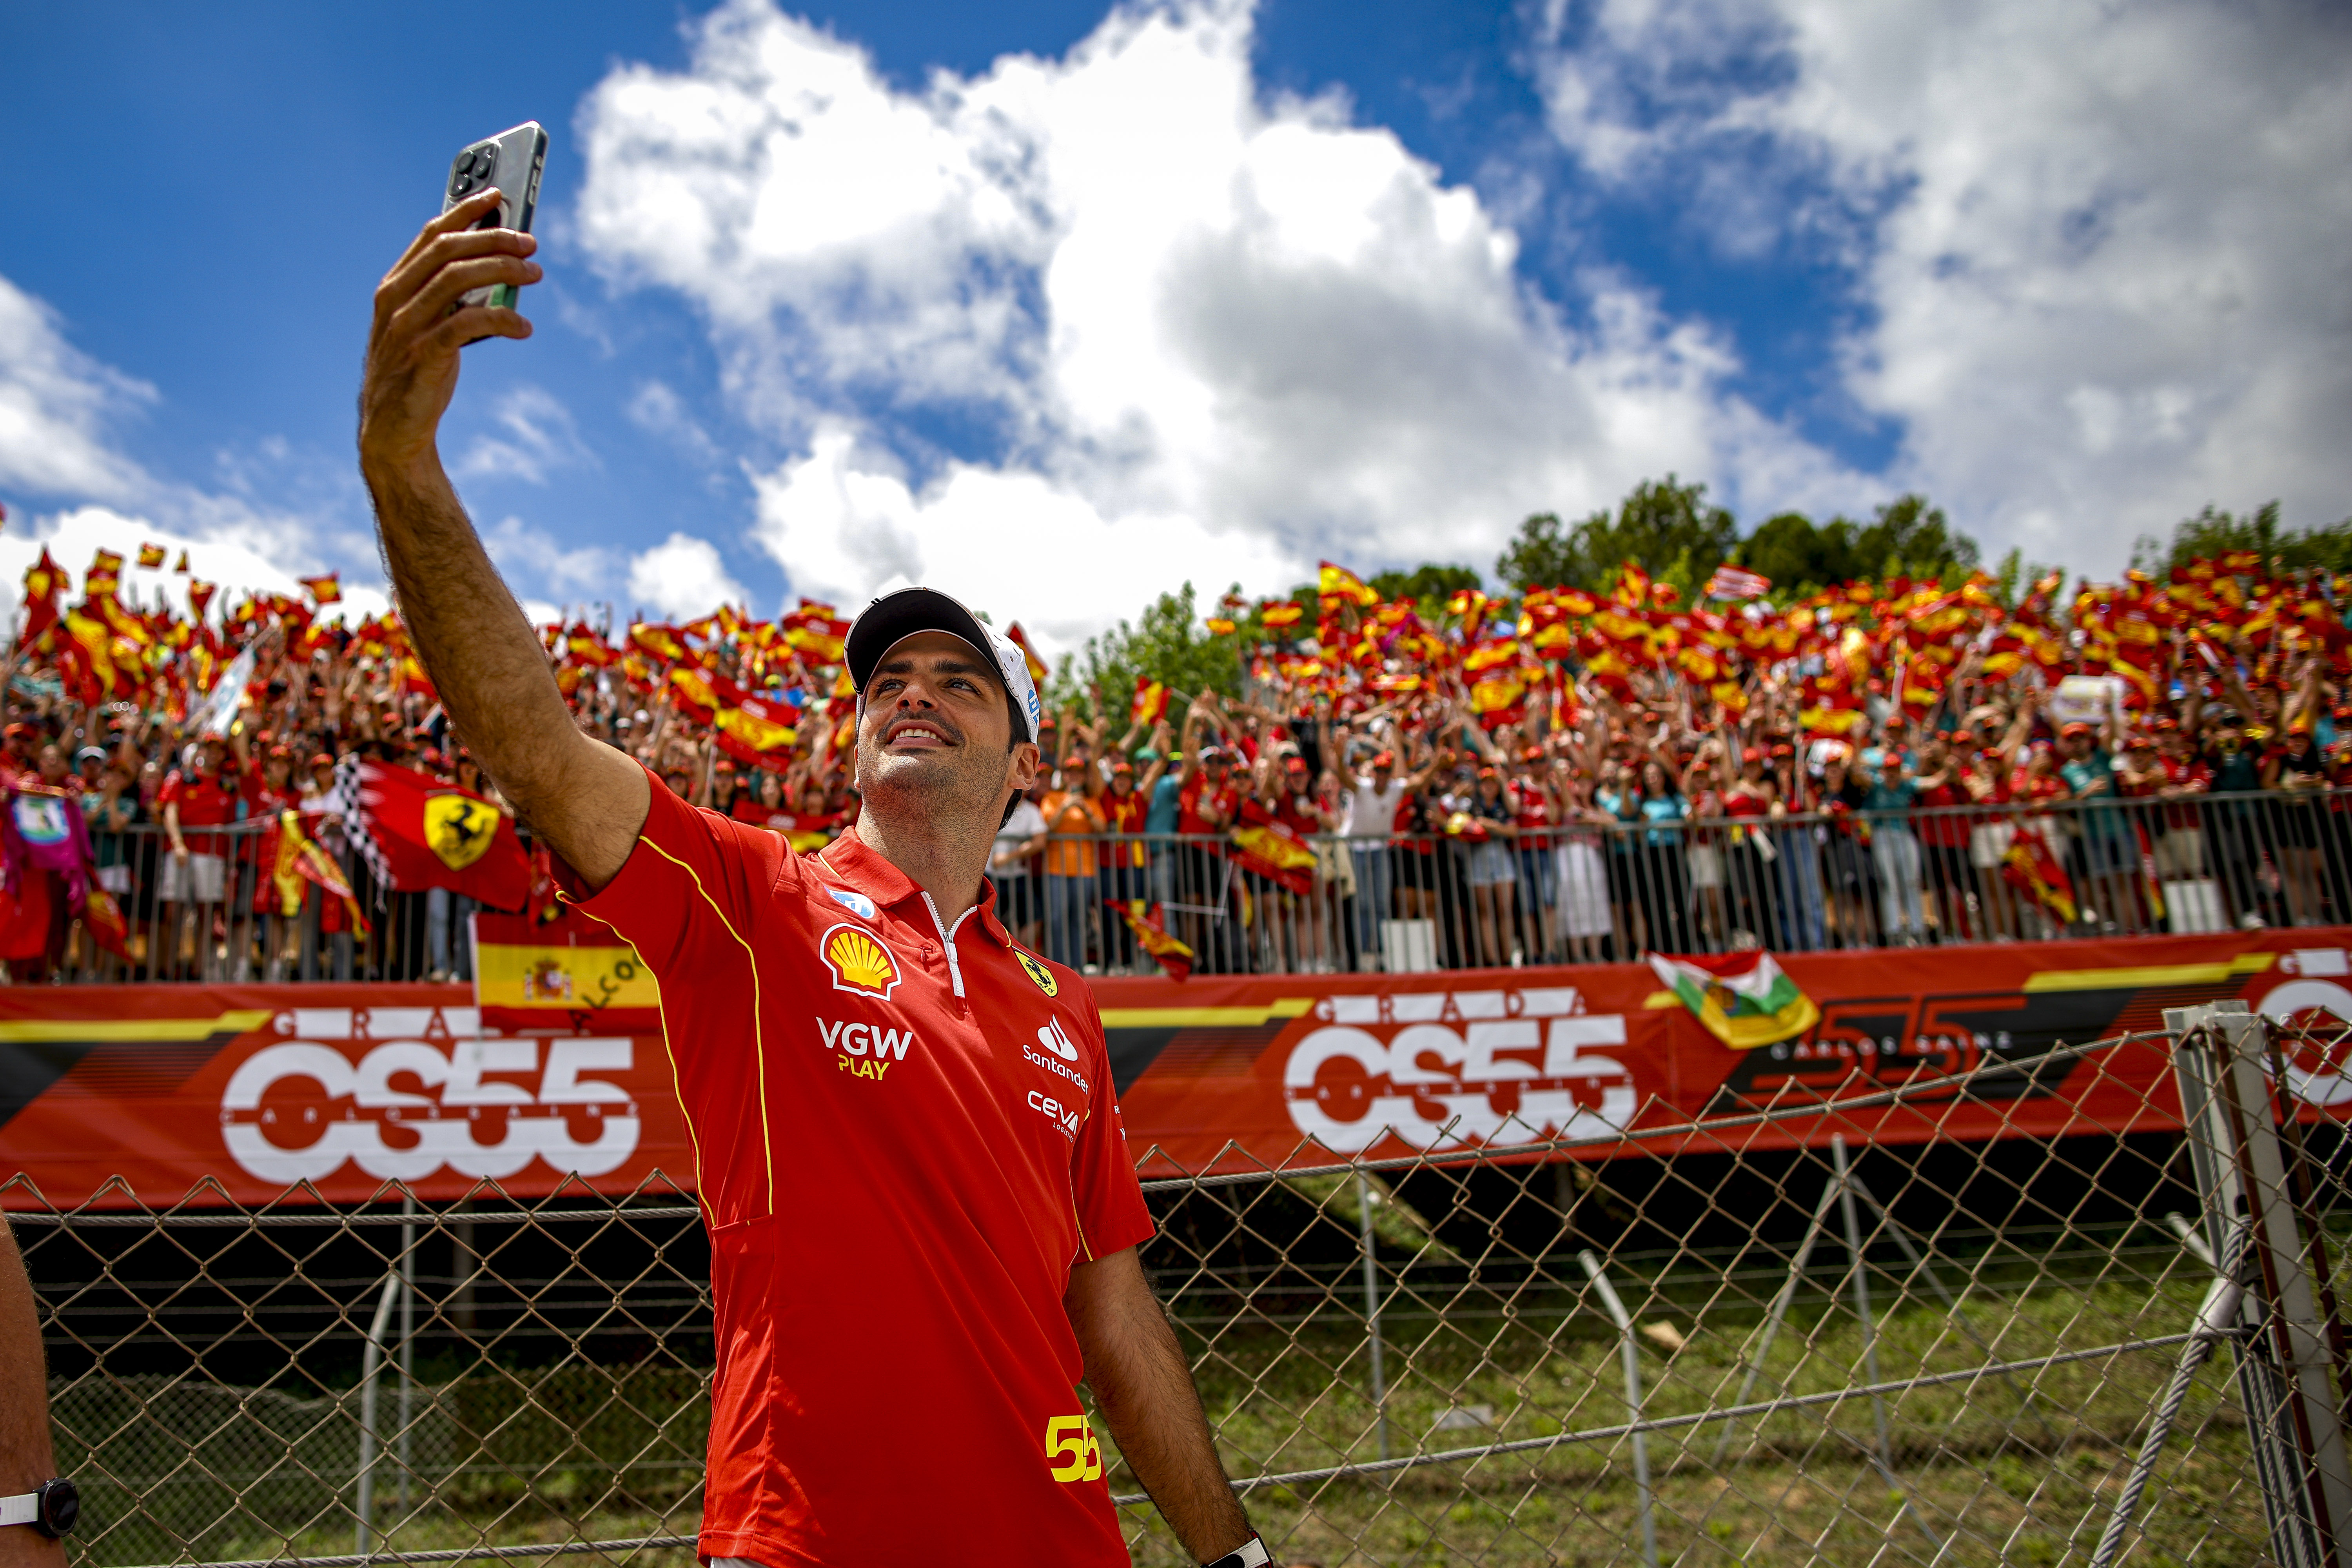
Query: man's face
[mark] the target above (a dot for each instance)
(936, 734)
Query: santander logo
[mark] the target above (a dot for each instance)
(1452, 1070)
(434, 1096)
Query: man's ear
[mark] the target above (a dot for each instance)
(1021, 768)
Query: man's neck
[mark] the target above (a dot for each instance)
(946, 869)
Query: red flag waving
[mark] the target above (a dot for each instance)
(1272, 850)
(438, 836)
(1152, 934)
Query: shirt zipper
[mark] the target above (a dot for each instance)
(946, 938)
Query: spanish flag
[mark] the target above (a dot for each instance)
(299, 859)
(1175, 958)
(570, 975)
(2032, 867)
(1273, 850)
(1151, 702)
(1336, 583)
(1037, 670)
(326, 590)
(150, 556)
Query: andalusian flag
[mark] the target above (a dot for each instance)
(1743, 998)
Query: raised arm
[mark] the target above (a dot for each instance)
(587, 800)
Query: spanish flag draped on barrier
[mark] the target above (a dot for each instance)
(569, 975)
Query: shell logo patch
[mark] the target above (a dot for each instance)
(1038, 972)
(860, 964)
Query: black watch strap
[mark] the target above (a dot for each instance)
(1250, 1553)
(52, 1511)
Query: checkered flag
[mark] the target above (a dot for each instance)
(347, 806)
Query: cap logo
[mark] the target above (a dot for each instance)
(1038, 972)
(860, 964)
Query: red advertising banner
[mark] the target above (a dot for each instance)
(259, 1088)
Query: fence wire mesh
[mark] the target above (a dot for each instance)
(1761, 1339)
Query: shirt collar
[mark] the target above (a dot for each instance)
(851, 860)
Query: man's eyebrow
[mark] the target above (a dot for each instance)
(942, 664)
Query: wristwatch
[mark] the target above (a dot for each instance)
(1250, 1553)
(53, 1509)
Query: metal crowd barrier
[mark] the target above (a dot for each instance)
(1797, 883)
(1584, 893)
(1754, 1338)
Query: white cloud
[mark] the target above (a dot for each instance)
(54, 405)
(682, 577)
(659, 410)
(2098, 249)
(534, 557)
(1219, 338)
(538, 438)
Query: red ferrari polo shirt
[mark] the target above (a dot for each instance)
(904, 1136)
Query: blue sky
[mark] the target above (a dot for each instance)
(1056, 306)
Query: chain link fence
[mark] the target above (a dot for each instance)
(1754, 1338)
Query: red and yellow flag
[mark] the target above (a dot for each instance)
(2032, 869)
(1151, 703)
(1175, 958)
(299, 859)
(1037, 670)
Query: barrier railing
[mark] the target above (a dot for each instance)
(1483, 897)
(2089, 1350)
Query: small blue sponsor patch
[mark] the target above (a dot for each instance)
(855, 902)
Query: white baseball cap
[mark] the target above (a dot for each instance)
(894, 617)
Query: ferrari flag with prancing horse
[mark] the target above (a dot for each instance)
(437, 836)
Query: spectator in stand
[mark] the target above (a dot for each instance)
(1894, 847)
(1073, 821)
(1375, 811)
(201, 793)
(1018, 902)
(1942, 829)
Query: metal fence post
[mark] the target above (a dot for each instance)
(1364, 1201)
(2286, 1370)
(371, 1363)
(407, 1345)
(1630, 1353)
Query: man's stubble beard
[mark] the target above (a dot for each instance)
(967, 794)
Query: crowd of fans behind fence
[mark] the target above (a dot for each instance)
(1557, 777)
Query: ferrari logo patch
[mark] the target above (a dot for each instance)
(458, 828)
(1038, 972)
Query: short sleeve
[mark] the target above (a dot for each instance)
(1111, 1213)
(685, 896)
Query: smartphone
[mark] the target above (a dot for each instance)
(511, 161)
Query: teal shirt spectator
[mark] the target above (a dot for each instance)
(1887, 806)
(2100, 819)
(1161, 816)
(1657, 810)
(1617, 804)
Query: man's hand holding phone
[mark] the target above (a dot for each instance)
(420, 326)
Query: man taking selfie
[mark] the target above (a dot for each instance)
(923, 1212)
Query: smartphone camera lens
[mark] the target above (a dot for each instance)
(462, 185)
